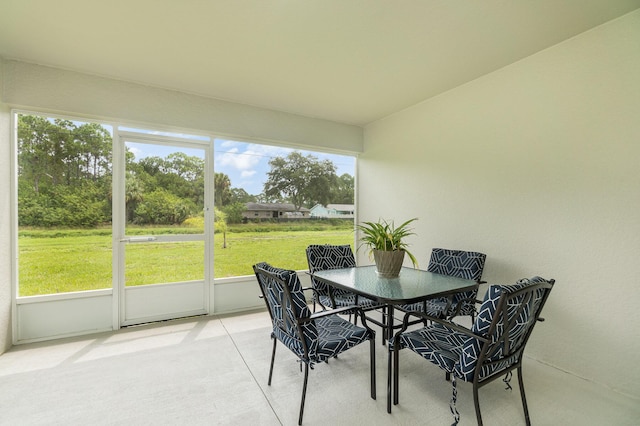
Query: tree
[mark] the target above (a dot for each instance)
(343, 191)
(64, 172)
(220, 225)
(221, 189)
(234, 212)
(239, 195)
(300, 180)
(134, 193)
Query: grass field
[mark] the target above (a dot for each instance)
(59, 261)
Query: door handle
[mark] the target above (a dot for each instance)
(138, 239)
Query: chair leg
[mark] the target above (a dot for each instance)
(273, 357)
(524, 399)
(372, 343)
(390, 376)
(304, 392)
(476, 403)
(396, 373)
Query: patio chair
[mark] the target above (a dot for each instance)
(455, 263)
(493, 347)
(313, 338)
(326, 256)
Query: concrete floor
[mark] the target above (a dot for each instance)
(214, 371)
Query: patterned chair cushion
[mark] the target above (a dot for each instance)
(458, 353)
(325, 337)
(437, 343)
(326, 256)
(461, 264)
(336, 335)
(454, 263)
(285, 317)
(347, 299)
(457, 263)
(471, 350)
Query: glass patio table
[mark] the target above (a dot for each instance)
(411, 285)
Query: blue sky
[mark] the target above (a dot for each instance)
(245, 163)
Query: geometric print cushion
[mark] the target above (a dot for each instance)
(347, 299)
(457, 263)
(325, 256)
(470, 352)
(336, 335)
(434, 307)
(436, 343)
(489, 305)
(462, 264)
(285, 312)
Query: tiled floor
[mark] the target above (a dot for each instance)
(213, 371)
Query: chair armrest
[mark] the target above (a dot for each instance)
(358, 311)
(317, 294)
(327, 312)
(449, 324)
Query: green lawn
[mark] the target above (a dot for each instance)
(59, 261)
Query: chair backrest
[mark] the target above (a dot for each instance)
(506, 317)
(285, 300)
(326, 256)
(458, 263)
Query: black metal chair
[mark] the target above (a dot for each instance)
(455, 263)
(313, 338)
(326, 256)
(493, 347)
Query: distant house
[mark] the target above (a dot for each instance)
(274, 211)
(343, 211)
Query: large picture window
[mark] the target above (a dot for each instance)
(270, 203)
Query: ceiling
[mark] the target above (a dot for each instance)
(350, 61)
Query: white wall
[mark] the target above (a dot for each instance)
(53, 89)
(5, 226)
(538, 166)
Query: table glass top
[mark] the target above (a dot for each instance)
(411, 285)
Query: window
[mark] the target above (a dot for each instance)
(64, 205)
(270, 204)
(264, 204)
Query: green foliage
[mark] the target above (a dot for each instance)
(64, 173)
(300, 180)
(234, 212)
(81, 206)
(196, 222)
(221, 189)
(219, 221)
(385, 236)
(343, 191)
(179, 174)
(239, 195)
(163, 208)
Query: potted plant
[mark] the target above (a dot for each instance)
(386, 243)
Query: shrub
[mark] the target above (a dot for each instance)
(161, 207)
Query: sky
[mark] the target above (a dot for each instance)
(246, 164)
